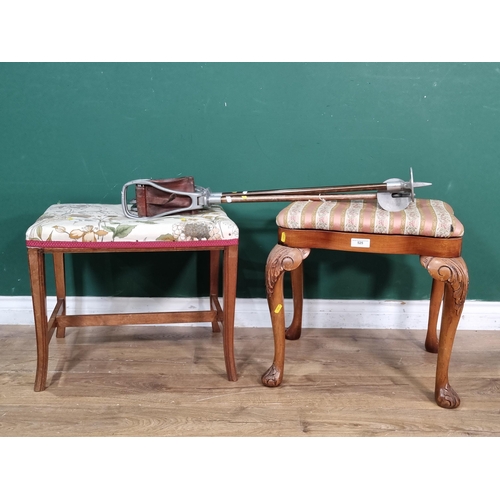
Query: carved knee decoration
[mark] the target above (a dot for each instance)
(282, 259)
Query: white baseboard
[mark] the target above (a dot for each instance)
(363, 314)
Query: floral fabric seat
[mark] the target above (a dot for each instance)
(98, 225)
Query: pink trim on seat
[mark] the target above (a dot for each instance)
(130, 244)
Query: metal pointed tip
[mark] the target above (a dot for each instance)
(421, 184)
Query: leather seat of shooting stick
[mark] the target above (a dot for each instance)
(427, 228)
(99, 228)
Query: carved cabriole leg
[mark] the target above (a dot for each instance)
(280, 259)
(454, 274)
(297, 278)
(437, 292)
(36, 262)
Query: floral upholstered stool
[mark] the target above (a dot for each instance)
(92, 228)
(427, 228)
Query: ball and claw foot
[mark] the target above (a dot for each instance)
(272, 377)
(446, 397)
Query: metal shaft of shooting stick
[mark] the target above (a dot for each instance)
(324, 193)
(313, 190)
(268, 197)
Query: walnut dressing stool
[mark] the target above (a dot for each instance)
(427, 228)
(92, 228)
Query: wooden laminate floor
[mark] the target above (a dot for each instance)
(170, 381)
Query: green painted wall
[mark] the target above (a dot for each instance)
(78, 132)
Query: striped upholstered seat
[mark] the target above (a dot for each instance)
(423, 218)
(427, 228)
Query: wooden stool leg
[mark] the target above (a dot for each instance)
(214, 288)
(453, 272)
(294, 331)
(230, 269)
(437, 293)
(60, 279)
(280, 259)
(36, 262)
